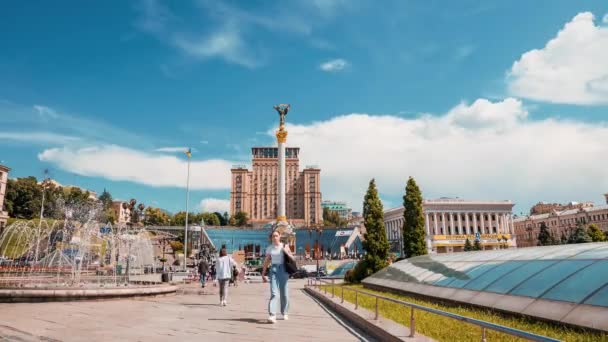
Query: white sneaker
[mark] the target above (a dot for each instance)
(285, 317)
(272, 319)
(224, 303)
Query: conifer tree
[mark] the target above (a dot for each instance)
(467, 245)
(376, 242)
(544, 237)
(477, 245)
(414, 243)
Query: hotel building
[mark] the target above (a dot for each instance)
(560, 222)
(3, 181)
(255, 192)
(450, 221)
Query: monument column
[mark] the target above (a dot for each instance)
(281, 140)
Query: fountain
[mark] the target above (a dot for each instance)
(39, 259)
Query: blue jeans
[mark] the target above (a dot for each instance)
(203, 276)
(278, 286)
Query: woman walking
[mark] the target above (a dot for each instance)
(224, 274)
(274, 264)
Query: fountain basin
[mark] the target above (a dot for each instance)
(72, 294)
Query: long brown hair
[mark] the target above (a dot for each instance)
(223, 252)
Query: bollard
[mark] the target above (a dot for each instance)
(412, 323)
(342, 302)
(356, 300)
(483, 334)
(376, 309)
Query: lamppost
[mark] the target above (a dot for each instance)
(189, 154)
(319, 230)
(44, 183)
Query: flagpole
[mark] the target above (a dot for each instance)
(188, 153)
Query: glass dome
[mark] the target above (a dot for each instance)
(510, 279)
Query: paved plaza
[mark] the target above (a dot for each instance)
(190, 315)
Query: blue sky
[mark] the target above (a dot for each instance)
(484, 100)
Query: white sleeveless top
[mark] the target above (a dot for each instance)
(276, 253)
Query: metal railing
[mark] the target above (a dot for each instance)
(317, 283)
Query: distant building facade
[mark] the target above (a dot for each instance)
(256, 192)
(560, 222)
(450, 221)
(339, 207)
(545, 208)
(3, 181)
(123, 215)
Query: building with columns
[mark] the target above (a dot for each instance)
(450, 221)
(256, 192)
(3, 181)
(560, 222)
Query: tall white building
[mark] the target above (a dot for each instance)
(450, 221)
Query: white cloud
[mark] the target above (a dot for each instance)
(215, 204)
(45, 112)
(572, 68)
(38, 137)
(484, 150)
(334, 65)
(177, 149)
(605, 18)
(123, 164)
(464, 52)
(226, 43)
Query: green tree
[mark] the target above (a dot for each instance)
(232, 221)
(467, 245)
(544, 236)
(477, 245)
(106, 199)
(579, 235)
(241, 218)
(376, 243)
(23, 198)
(221, 218)
(332, 219)
(155, 217)
(210, 219)
(596, 234)
(414, 243)
(226, 217)
(179, 219)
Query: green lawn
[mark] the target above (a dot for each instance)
(447, 329)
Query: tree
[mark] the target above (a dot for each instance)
(210, 219)
(414, 243)
(477, 245)
(579, 235)
(176, 246)
(232, 221)
(544, 236)
(226, 217)
(179, 219)
(332, 219)
(221, 218)
(596, 234)
(376, 243)
(106, 199)
(155, 217)
(23, 198)
(468, 246)
(241, 218)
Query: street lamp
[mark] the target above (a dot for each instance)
(189, 154)
(319, 230)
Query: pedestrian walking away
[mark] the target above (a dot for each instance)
(274, 265)
(224, 273)
(203, 267)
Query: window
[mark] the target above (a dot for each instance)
(541, 282)
(581, 284)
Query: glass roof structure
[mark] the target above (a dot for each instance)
(575, 275)
(571, 273)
